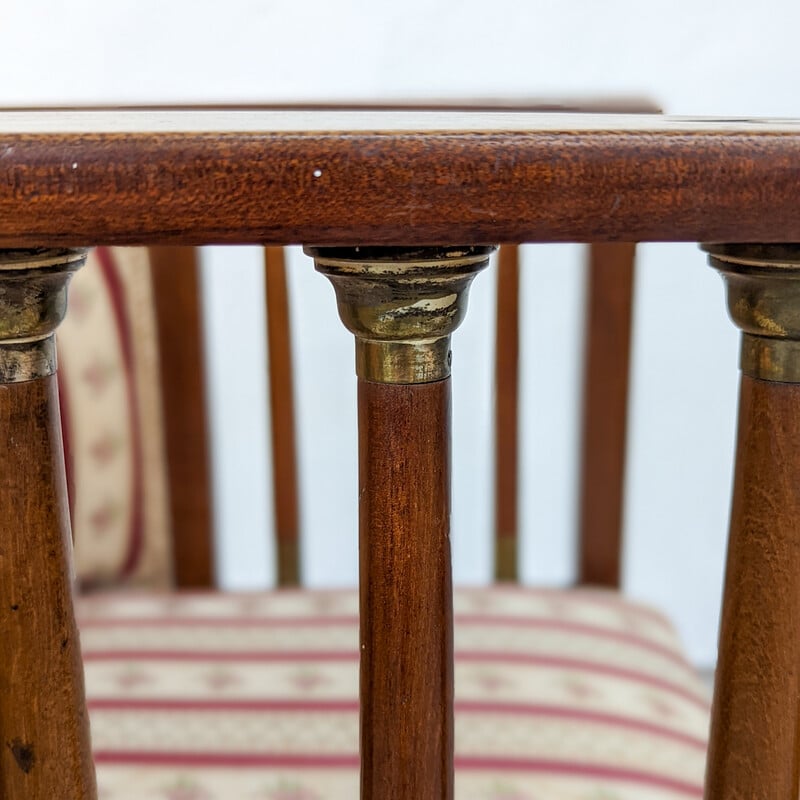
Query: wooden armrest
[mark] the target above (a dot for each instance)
(402, 208)
(383, 177)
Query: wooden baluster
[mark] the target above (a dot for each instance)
(44, 735)
(755, 732)
(402, 305)
(281, 402)
(176, 293)
(609, 305)
(406, 601)
(506, 417)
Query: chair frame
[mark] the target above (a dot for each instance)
(345, 180)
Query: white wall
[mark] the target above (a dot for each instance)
(701, 57)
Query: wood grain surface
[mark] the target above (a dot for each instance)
(176, 291)
(406, 592)
(44, 736)
(755, 745)
(497, 178)
(605, 411)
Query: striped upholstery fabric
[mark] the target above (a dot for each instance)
(111, 418)
(559, 696)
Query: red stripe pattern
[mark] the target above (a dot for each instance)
(106, 362)
(116, 296)
(559, 695)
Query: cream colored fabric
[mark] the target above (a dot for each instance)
(559, 696)
(112, 423)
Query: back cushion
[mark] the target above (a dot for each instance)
(112, 423)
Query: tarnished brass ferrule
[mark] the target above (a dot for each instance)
(763, 282)
(33, 301)
(402, 304)
(505, 558)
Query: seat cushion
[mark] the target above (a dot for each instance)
(575, 695)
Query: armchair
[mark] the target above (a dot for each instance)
(483, 179)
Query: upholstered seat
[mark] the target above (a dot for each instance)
(562, 695)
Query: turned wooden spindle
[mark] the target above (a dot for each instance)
(175, 273)
(44, 735)
(402, 305)
(506, 417)
(609, 306)
(755, 731)
(282, 427)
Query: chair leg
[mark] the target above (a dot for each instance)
(44, 735)
(755, 744)
(406, 600)
(402, 306)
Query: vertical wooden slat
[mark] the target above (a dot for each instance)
(755, 731)
(605, 409)
(281, 394)
(406, 595)
(176, 290)
(506, 422)
(44, 737)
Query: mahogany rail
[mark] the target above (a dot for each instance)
(399, 210)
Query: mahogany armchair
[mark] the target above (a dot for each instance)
(404, 206)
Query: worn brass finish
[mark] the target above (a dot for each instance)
(33, 301)
(770, 359)
(505, 558)
(763, 284)
(403, 362)
(26, 361)
(402, 304)
(288, 553)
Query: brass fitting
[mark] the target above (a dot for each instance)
(402, 304)
(33, 301)
(763, 282)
